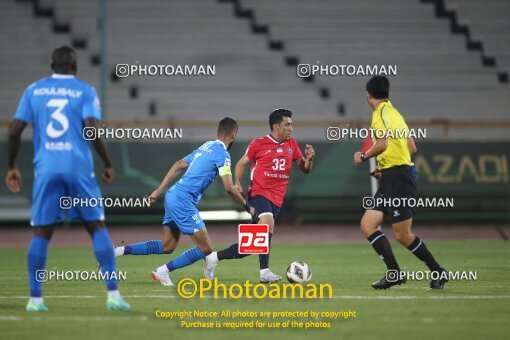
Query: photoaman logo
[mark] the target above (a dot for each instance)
(189, 288)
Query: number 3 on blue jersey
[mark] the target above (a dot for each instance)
(59, 117)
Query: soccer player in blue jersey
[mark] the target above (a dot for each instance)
(59, 108)
(181, 215)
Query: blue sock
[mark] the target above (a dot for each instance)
(144, 248)
(105, 256)
(37, 254)
(185, 259)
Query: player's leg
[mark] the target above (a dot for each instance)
(37, 255)
(171, 235)
(212, 260)
(266, 275)
(231, 252)
(143, 248)
(46, 211)
(405, 237)
(182, 215)
(370, 228)
(86, 187)
(265, 213)
(203, 247)
(104, 252)
(166, 246)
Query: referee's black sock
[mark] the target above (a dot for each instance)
(230, 253)
(264, 258)
(419, 249)
(382, 247)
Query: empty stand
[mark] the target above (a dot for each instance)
(437, 76)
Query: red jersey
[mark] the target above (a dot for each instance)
(270, 170)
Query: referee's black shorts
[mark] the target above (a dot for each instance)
(396, 182)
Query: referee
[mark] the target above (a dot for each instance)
(397, 180)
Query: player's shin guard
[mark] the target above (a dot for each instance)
(144, 248)
(105, 256)
(230, 253)
(37, 254)
(264, 258)
(382, 247)
(419, 249)
(185, 259)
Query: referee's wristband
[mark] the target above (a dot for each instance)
(362, 156)
(246, 207)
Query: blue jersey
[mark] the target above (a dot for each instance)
(204, 164)
(56, 107)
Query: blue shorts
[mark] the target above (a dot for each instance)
(47, 194)
(263, 207)
(181, 213)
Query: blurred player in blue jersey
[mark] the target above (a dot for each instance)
(59, 108)
(181, 215)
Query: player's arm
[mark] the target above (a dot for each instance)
(13, 178)
(230, 188)
(239, 172)
(306, 163)
(100, 147)
(172, 174)
(378, 148)
(411, 145)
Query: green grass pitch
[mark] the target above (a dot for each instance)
(463, 310)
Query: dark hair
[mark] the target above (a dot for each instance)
(276, 117)
(63, 59)
(227, 126)
(378, 87)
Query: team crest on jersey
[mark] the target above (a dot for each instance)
(279, 150)
(289, 151)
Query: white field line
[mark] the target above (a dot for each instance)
(73, 318)
(347, 297)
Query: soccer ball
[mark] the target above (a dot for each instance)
(299, 272)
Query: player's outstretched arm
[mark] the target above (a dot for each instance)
(239, 172)
(13, 178)
(306, 163)
(174, 171)
(100, 147)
